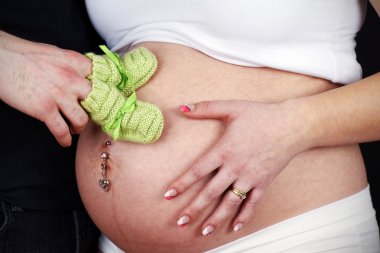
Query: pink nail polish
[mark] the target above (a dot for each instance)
(183, 220)
(186, 107)
(170, 194)
(208, 230)
(238, 227)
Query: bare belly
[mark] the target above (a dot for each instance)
(134, 213)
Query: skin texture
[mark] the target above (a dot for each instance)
(255, 137)
(45, 82)
(321, 120)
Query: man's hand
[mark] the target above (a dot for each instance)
(46, 83)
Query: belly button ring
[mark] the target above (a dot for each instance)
(104, 183)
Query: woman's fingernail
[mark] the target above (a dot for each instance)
(208, 230)
(238, 227)
(186, 107)
(170, 194)
(183, 220)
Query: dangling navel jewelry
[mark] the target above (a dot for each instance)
(104, 183)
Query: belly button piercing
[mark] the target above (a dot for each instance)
(104, 183)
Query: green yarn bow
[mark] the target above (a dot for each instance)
(128, 106)
(115, 59)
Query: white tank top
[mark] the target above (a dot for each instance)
(312, 37)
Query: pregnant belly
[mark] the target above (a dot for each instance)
(134, 213)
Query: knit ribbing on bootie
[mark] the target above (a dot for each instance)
(103, 102)
(140, 65)
(122, 117)
(104, 69)
(143, 125)
(129, 73)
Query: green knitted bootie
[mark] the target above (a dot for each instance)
(113, 103)
(129, 73)
(123, 117)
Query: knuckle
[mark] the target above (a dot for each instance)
(67, 74)
(211, 194)
(60, 131)
(79, 118)
(73, 55)
(203, 106)
(236, 171)
(74, 111)
(232, 202)
(78, 58)
(179, 185)
(47, 107)
(83, 120)
(226, 154)
(85, 88)
(196, 173)
(243, 218)
(56, 91)
(250, 205)
(192, 211)
(256, 195)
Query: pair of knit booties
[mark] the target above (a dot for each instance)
(113, 104)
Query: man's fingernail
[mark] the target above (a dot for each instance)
(186, 107)
(208, 230)
(170, 194)
(183, 220)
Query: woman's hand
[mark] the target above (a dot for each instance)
(45, 82)
(259, 140)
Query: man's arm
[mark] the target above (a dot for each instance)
(46, 83)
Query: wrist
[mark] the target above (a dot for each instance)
(302, 122)
(11, 42)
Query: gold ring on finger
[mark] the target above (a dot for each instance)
(239, 193)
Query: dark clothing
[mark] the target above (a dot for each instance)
(36, 172)
(368, 54)
(63, 23)
(40, 207)
(30, 231)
